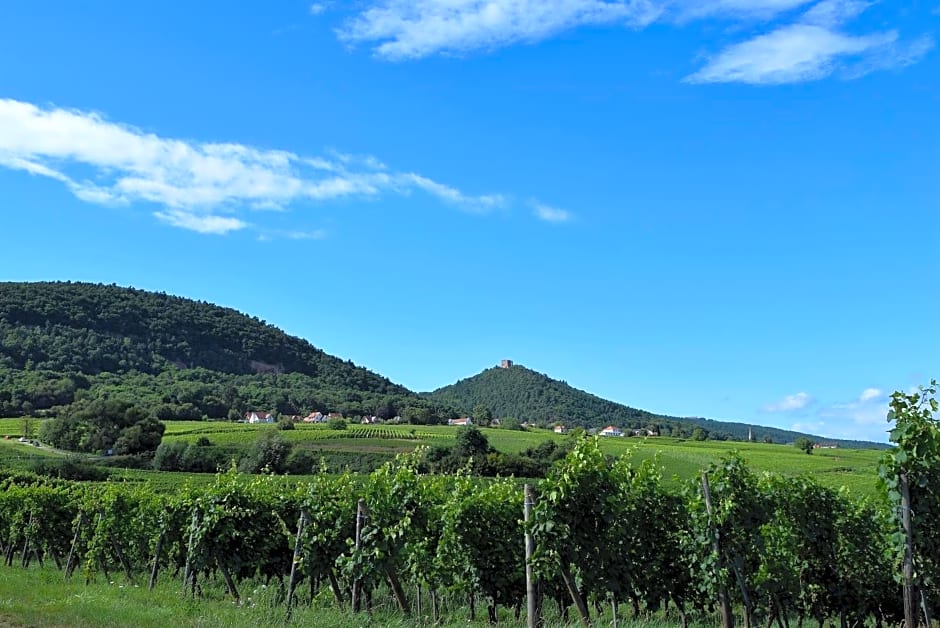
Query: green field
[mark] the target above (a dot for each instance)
(42, 597)
(856, 469)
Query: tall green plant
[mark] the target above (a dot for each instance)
(916, 457)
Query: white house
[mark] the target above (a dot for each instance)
(315, 417)
(463, 421)
(259, 417)
(561, 429)
(610, 430)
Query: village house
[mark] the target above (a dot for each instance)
(610, 430)
(561, 429)
(315, 417)
(259, 417)
(463, 421)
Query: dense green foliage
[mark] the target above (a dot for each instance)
(526, 395)
(775, 547)
(916, 459)
(174, 358)
(103, 426)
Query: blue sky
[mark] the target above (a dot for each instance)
(720, 208)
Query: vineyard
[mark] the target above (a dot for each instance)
(601, 537)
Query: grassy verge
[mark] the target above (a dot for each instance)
(41, 597)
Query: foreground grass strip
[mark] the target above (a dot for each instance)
(40, 597)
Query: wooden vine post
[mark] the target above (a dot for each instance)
(189, 571)
(727, 619)
(907, 567)
(361, 515)
(533, 619)
(72, 561)
(295, 564)
(155, 570)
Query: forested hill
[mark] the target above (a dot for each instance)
(94, 328)
(191, 358)
(526, 395)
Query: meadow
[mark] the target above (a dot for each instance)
(42, 597)
(855, 469)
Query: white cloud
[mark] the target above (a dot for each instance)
(276, 234)
(812, 48)
(409, 29)
(198, 186)
(550, 214)
(218, 225)
(739, 9)
(863, 418)
(790, 403)
(795, 53)
(319, 7)
(871, 408)
(834, 12)
(801, 44)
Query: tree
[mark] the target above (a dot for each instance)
(482, 415)
(27, 428)
(470, 442)
(141, 437)
(699, 434)
(270, 452)
(804, 444)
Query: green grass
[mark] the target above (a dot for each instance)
(16, 455)
(681, 459)
(42, 597)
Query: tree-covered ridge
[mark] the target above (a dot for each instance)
(176, 358)
(527, 395)
(90, 328)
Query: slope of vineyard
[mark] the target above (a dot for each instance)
(856, 469)
(799, 550)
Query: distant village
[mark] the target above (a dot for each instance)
(558, 427)
(255, 417)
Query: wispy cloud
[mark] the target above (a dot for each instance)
(277, 234)
(790, 403)
(218, 225)
(803, 41)
(410, 29)
(204, 187)
(747, 10)
(812, 48)
(832, 13)
(550, 214)
(867, 413)
(861, 418)
(795, 53)
(319, 7)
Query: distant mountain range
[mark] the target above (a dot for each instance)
(63, 343)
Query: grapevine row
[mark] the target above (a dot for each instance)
(731, 544)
